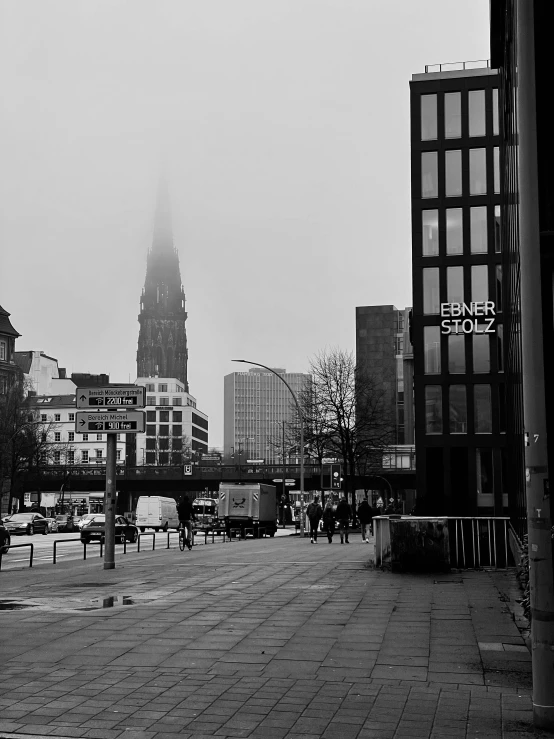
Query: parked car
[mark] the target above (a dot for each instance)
(52, 525)
(95, 529)
(4, 539)
(26, 523)
(65, 522)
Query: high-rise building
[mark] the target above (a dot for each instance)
(257, 407)
(457, 321)
(162, 344)
(380, 343)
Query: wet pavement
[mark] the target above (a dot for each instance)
(271, 638)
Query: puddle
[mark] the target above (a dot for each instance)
(8, 605)
(114, 601)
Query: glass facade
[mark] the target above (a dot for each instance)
(457, 409)
(431, 294)
(476, 111)
(452, 115)
(478, 229)
(477, 171)
(481, 351)
(455, 284)
(430, 230)
(482, 409)
(453, 173)
(429, 174)
(428, 117)
(496, 164)
(432, 337)
(456, 354)
(454, 231)
(479, 282)
(433, 409)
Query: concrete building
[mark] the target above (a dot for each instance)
(39, 371)
(256, 404)
(457, 318)
(176, 430)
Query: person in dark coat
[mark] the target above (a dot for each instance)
(343, 514)
(314, 513)
(329, 521)
(365, 516)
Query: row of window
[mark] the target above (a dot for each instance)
(457, 422)
(452, 104)
(448, 236)
(163, 458)
(456, 351)
(151, 400)
(57, 417)
(455, 286)
(453, 184)
(163, 430)
(70, 456)
(163, 388)
(82, 437)
(163, 416)
(164, 444)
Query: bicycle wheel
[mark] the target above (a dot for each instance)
(182, 540)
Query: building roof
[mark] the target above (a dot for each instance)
(53, 401)
(6, 327)
(23, 360)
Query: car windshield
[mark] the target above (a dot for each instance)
(20, 517)
(62, 517)
(98, 518)
(201, 506)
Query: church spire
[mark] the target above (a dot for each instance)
(162, 346)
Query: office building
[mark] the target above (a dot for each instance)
(258, 407)
(457, 321)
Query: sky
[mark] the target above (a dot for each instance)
(283, 126)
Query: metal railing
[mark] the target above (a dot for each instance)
(147, 533)
(458, 66)
(15, 546)
(473, 542)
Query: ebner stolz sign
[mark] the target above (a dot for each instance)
(472, 318)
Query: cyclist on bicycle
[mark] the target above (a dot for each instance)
(186, 517)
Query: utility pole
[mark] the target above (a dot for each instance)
(109, 503)
(539, 519)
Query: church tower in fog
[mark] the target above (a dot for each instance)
(162, 344)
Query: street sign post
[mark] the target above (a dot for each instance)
(115, 396)
(115, 422)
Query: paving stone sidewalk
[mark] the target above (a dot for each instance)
(275, 639)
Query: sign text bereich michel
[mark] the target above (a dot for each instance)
(481, 320)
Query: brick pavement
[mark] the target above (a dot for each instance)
(275, 639)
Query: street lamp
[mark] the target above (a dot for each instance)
(257, 364)
(380, 477)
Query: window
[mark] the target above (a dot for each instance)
(433, 409)
(431, 290)
(71, 436)
(453, 173)
(452, 115)
(476, 106)
(3, 351)
(498, 284)
(71, 457)
(454, 231)
(150, 457)
(57, 456)
(57, 436)
(500, 346)
(84, 456)
(71, 417)
(455, 284)
(456, 354)
(496, 160)
(118, 455)
(478, 229)
(150, 387)
(495, 126)
(43, 417)
(176, 459)
(151, 416)
(43, 437)
(457, 409)
(98, 437)
(432, 350)
(163, 458)
(164, 401)
(477, 172)
(162, 388)
(484, 472)
(429, 174)
(479, 282)
(177, 444)
(177, 429)
(164, 444)
(177, 416)
(57, 417)
(118, 437)
(150, 400)
(164, 431)
(177, 401)
(430, 228)
(482, 409)
(164, 416)
(150, 443)
(85, 437)
(150, 430)
(497, 231)
(481, 351)
(428, 117)
(98, 453)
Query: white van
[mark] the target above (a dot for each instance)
(155, 512)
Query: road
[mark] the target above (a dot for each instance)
(69, 547)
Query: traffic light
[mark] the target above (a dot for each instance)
(335, 477)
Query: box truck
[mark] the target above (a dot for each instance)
(155, 512)
(248, 506)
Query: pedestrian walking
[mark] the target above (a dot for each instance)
(314, 513)
(329, 521)
(365, 516)
(343, 514)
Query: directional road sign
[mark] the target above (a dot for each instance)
(130, 396)
(126, 422)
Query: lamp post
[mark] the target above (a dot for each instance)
(257, 364)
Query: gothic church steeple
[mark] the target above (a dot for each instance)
(162, 344)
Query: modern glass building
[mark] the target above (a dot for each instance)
(457, 326)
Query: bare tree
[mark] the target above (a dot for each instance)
(346, 415)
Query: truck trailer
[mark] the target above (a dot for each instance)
(250, 506)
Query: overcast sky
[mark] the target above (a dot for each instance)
(285, 128)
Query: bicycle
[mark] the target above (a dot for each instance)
(185, 536)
